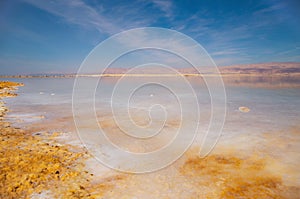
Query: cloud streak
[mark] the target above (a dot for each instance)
(77, 12)
(165, 6)
(108, 21)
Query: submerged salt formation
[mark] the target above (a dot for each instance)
(244, 109)
(233, 177)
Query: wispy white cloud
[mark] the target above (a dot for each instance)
(271, 14)
(79, 13)
(271, 8)
(218, 37)
(295, 50)
(230, 51)
(195, 25)
(230, 37)
(105, 19)
(229, 60)
(156, 46)
(164, 5)
(75, 12)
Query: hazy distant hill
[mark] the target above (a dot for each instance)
(274, 68)
(263, 68)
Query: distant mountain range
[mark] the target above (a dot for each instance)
(260, 68)
(263, 68)
(272, 68)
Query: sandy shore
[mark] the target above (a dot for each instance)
(35, 165)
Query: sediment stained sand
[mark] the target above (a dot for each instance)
(216, 176)
(229, 176)
(7, 87)
(36, 166)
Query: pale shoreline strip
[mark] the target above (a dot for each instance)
(156, 75)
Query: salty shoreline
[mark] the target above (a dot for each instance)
(38, 166)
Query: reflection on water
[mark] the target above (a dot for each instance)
(263, 81)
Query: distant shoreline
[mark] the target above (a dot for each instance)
(272, 69)
(156, 75)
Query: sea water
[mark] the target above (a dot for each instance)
(271, 126)
(273, 107)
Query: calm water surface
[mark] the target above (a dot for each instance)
(271, 127)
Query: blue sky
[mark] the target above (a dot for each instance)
(55, 36)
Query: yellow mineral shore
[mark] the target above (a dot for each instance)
(37, 166)
(7, 87)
